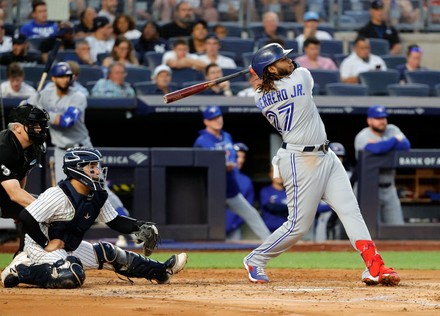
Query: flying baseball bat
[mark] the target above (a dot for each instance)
(50, 59)
(186, 92)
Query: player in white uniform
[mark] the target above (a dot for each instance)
(55, 255)
(309, 169)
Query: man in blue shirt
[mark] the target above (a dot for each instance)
(39, 26)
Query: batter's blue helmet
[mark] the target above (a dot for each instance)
(61, 69)
(338, 149)
(267, 55)
(73, 166)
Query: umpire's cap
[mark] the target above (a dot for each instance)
(212, 112)
(61, 69)
(377, 111)
(266, 56)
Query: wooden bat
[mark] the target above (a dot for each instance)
(52, 171)
(186, 92)
(50, 59)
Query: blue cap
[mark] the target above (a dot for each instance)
(311, 16)
(377, 111)
(211, 112)
(240, 147)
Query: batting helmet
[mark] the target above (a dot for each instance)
(266, 56)
(240, 147)
(61, 69)
(338, 149)
(31, 117)
(74, 161)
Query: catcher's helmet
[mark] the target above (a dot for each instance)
(34, 120)
(74, 161)
(338, 149)
(240, 147)
(61, 69)
(267, 55)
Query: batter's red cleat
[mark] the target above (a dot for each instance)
(387, 276)
(256, 274)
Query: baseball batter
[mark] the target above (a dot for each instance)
(55, 255)
(378, 138)
(309, 169)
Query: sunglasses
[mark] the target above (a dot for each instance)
(415, 50)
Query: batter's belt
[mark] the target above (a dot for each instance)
(321, 147)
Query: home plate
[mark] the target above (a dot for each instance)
(304, 289)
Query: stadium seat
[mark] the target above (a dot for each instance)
(429, 77)
(65, 55)
(255, 31)
(392, 60)
(437, 89)
(101, 56)
(332, 47)
(377, 81)
(408, 90)
(147, 87)
(238, 46)
(237, 86)
(89, 73)
(89, 85)
(33, 73)
(181, 76)
(229, 71)
(137, 74)
(3, 73)
(345, 89)
(34, 43)
(288, 44)
(378, 46)
(323, 77)
(152, 59)
(338, 58)
(234, 28)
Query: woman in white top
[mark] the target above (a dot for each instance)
(15, 85)
(122, 52)
(125, 25)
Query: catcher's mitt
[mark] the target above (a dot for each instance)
(149, 235)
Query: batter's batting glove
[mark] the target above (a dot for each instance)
(149, 235)
(69, 117)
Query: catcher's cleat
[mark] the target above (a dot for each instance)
(387, 276)
(9, 274)
(173, 265)
(256, 274)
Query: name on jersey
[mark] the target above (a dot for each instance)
(274, 97)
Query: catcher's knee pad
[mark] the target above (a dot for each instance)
(63, 274)
(130, 264)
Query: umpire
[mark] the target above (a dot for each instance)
(21, 148)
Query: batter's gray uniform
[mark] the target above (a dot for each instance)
(54, 205)
(390, 209)
(309, 174)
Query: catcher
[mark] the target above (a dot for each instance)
(55, 255)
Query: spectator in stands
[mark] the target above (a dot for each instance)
(15, 85)
(74, 85)
(234, 222)
(311, 23)
(163, 10)
(20, 53)
(114, 85)
(212, 53)
(85, 26)
(271, 28)
(150, 41)
(180, 57)
(207, 11)
(404, 12)
(254, 81)
(122, 52)
(220, 30)
(360, 60)
(212, 72)
(109, 9)
(75, 9)
(377, 28)
(162, 77)
(288, 10)
(181, 24)
(413, 61)
(125, 25)
(273, 203)
(196, 42)
(5, 41)
(82, 53)
(312, 59)
(101, 41)
(64, 33)
(39, 26)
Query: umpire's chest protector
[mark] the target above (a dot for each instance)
(87, 209)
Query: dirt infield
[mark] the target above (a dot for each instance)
(228, 292)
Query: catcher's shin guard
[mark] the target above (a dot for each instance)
(130, 264)
(63, 274)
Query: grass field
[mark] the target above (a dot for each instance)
(414, 260)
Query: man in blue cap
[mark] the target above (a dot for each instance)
(213, 137)
(378, 138)
(311, 23)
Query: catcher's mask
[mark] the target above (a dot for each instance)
(34, 120)
(76, 159)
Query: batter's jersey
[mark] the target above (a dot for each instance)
(53, 205)
(77, 134)
(15, 163)
(292, 111)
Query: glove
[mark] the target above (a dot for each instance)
(149, 235)
(69, 117)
